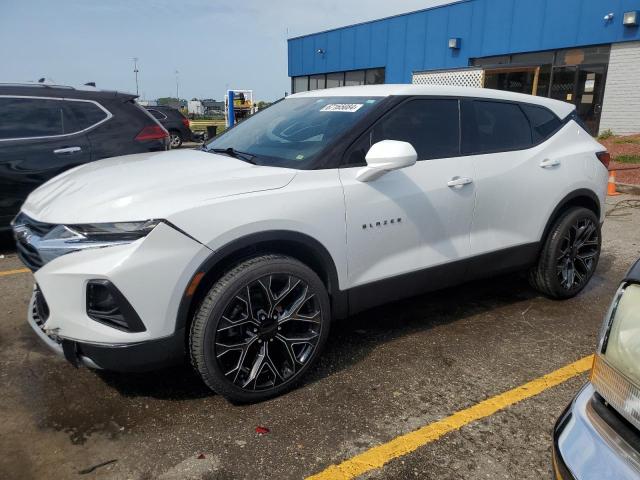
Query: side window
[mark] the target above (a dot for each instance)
(157, 114)
(82, 115)
(493, 127)
(430, 125)
(30, 117)
(543, 122)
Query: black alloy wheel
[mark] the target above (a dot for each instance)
(578, 252)
(570, 254)
(260, 328)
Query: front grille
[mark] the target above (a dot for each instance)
(40, 308)
(28, 255)
(40, 312)
(25, 228)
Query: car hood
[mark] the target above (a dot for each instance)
(147, 185)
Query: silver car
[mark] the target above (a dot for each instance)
(598, 435)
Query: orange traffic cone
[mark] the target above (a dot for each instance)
(611, 187)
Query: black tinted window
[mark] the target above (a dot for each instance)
(543, 122)
(157, 114)
(431, 126)
(493, 127)
(82, 115)
(28, 117)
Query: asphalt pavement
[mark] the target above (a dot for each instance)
(385, 372)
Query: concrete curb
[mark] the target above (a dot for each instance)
(628, 188)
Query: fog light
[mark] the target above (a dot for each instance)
(107, 305)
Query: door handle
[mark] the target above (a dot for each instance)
(67, 150)
(549, 162)
(459, 182)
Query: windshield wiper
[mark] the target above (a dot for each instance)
(247, 157)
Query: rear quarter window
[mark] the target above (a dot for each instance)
(83, 115)
(544, 122)
(489, 126)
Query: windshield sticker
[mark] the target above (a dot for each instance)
(342, 107)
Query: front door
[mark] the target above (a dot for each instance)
(589, 95)
(583, 86)
(415, 218)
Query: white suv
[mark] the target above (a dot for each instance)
(326, 203)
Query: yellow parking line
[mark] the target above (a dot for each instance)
(13, 272)
(378, 456)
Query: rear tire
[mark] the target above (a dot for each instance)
(260, 328)
(175, 140)
(569, 256)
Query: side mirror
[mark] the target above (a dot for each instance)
(386, 156)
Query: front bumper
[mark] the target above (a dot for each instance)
(125, 357)
(151, 273)
(591, 443)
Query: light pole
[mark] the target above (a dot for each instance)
(135, 71)
(177, 86)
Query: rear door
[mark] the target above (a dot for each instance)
(415, 218)
(36, 143)
(519, 176)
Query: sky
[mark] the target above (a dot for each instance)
(214, 45)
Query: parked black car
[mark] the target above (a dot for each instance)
(47, 129)
(175, 122)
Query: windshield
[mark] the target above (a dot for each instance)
(293, 131)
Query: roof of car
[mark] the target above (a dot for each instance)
(562, 109)
(64, 91)
(633, 275)
(161, 107)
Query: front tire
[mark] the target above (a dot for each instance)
(569, 256)
(260, 328)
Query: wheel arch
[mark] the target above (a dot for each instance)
(578, 198)
(294, 244)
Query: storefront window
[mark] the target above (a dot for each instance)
(374, 76)
(335, 80)
(300, 84)
(536, 58)
(354, 78)
(317, 82)
(580, 56)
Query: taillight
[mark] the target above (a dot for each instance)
(604, 157)
(152, 132)
(185, 122)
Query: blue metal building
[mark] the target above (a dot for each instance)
(566, 49)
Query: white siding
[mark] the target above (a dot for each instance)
(621, 104)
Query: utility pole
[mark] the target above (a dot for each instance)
(135, 70)
(177, 86)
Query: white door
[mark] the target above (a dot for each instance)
(417, 217)
(519, 185)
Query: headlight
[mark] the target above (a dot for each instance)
(42, 242)
(616, 369)
(114, 232)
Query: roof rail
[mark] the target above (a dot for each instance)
(41, 85)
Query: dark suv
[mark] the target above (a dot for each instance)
(47, 129)
(175, 122)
